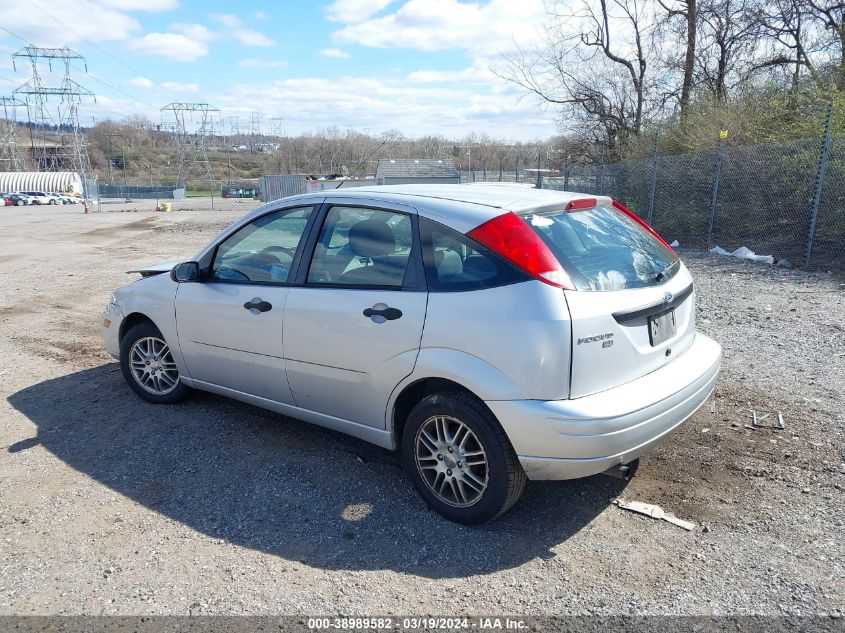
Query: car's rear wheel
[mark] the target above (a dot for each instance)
(148, 366)
(459, 458)
(20, 203)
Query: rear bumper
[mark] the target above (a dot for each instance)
(566, 439)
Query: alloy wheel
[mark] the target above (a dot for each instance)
(152, 366)
(451, 460)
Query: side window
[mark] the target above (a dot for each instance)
(454, 262)
(263, 250)
(359, 246)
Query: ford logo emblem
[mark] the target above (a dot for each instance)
(668, 297)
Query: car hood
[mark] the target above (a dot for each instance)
(154, 269)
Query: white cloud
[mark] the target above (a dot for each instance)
(335, 53)
(228, 20)
(175, 86)
(141, 82)
(356, 102)
(435, 25)
(352, 11)
(167, 86)
(468, 75)
(66, 22)
(262, 63)
(187, 44)
(246, 36)
(365, 103)
(260, 15)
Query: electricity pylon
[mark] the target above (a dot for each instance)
(68, 149)
(191, 144)
(10, 156)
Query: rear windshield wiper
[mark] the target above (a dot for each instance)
(665, 271)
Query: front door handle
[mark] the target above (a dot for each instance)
(258, 305)
(390, 314)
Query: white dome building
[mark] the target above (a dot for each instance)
(46, 181)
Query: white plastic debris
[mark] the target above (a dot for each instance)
(744, 253)
(655, 512)
(675, 244)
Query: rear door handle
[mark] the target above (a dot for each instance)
(258, 305)
(391, 314)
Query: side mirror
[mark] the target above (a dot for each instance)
(186, 271)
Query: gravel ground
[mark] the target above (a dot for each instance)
(109, 505)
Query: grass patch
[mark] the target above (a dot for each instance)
(202, 194)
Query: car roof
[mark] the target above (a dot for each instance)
(462, 207)
(511, 196)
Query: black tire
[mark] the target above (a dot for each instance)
(505, 478)
(53, 202)
(136, 333)
(20, 203)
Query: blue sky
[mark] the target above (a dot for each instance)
(420, 66)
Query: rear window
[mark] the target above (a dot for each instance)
(604, 249)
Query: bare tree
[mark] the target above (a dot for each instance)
(728, 36)
(432, 146)
(831, 17)
(594, 64)
(788, 32)
(688, 12)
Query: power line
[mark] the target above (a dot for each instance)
(82, 37)
(118, 90)
(102, 81)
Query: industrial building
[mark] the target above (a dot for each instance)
(411, 171)
(47, 181)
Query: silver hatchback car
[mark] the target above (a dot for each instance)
(490, 334)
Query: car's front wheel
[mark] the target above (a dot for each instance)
(459, 458)
(148, 366)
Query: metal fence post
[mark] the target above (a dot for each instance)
(655, 159)
(566, 174)
(717, 180)
(817, 196)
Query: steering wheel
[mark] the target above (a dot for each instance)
(284, 249)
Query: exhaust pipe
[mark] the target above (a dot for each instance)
(620, 471)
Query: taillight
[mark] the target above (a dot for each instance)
(639, 221)
(510, 237)
(580, 204)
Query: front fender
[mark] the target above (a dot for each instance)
(155, 298)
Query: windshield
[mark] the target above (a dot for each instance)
(604, 249)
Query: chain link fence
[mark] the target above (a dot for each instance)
(786, 200)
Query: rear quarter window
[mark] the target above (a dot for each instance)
(454, 262)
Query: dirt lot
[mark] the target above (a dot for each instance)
(109, 505)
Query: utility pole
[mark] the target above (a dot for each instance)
(122, 157)
(539, 184)
(254, 130)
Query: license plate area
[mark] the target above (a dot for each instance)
(661, 327)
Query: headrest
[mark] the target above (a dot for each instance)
(448, 264)
(371, 238)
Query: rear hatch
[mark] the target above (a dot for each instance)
(632, 306)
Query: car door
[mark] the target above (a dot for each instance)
(352, 328)
(230, 323)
